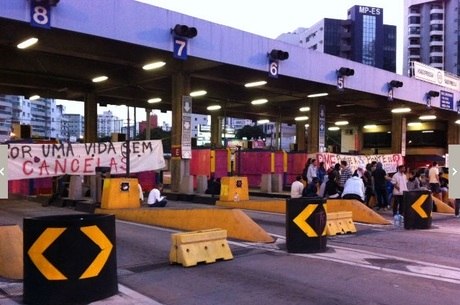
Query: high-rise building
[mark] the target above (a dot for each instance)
(362, 37)
(107, 123)
(75, 126)
(432, 34)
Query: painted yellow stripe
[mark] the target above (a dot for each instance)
(285, 161)
(36, 254)
(212, 159)
(99, 238)
(229, 160)
(272, 162)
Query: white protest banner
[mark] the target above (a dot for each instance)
(27, 161)
(390, 161)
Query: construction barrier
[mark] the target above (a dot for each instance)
(234, 189)
(11, 252)
(206, 246)
(340, 223)
(442, 207)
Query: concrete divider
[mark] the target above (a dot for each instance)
(236, 222)
(442, 207)
(339, 223)
(11, 252)
(360, 212)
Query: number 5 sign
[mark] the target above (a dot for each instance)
(40, 14)
(180, 48)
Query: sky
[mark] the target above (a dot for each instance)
(268, 18)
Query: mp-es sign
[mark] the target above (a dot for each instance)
(370, 10)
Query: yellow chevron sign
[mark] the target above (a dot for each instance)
(417, 206)
(301, 220)
(99, 238)
(36, 254)
(46, 239)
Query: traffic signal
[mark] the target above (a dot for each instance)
(185, 31)
(278, 55)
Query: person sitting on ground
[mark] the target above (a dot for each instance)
(155, 199)
(297, 187)
(354, 188)
(312, 188)
(213, 186)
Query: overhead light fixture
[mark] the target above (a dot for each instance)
(413, 124)
(34, 97)
(427, 117)
(304, 109)
(457, 122)
(184, 31)
(154, 65)
(370, 126)
(154, 100)
(427, 131)
(318, 95)
(198, 93)
(27, 43)
(213, 107)
(255, 84)
(343, 71)
(264, 121)
(99, 79)
(395, 84)
(278, 55)
(341, 123)
(301, 118)
(401, 110)
(259, 101)
(333, 128)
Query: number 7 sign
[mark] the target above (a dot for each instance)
(180, 48)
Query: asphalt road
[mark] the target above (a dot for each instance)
(377, 265)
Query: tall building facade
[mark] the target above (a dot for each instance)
(432, 32)
(362, 37)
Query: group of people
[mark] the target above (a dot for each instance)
(365, 182)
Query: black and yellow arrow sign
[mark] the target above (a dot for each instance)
(46, 239)
(301, 220)
(417, 206)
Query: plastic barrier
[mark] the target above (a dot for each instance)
(306, 225)
(69, 259)
(192, 248)
(340, 223)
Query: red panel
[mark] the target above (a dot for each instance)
(201, 162)
(147, 180)
(221, 163)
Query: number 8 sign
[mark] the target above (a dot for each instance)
(273, 69)
(40, 14)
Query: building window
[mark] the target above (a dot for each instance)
(369, 28)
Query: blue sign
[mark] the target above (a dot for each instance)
(322, 128)
(446, 100)
(40, 14)
(273, 68)
(180, 48)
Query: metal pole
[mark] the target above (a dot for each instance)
(128, 152)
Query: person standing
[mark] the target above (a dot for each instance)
(433, 179)
(399, 181)
(380, 188)
(321, 173)
(345, 173)
(368, 184)
(312, 171)
(297, 187)
(155, 199)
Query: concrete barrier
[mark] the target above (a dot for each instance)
(11, 252)
(442, 207)
(236, 222)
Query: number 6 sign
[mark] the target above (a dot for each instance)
(273, 69)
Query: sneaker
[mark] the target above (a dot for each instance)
(457, 216)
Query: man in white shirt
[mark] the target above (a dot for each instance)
(354, 188)
(433, 179)
(297, 187)
(399, 180)
(155, 199)
(312, 171)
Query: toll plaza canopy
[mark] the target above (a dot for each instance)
(81, 39)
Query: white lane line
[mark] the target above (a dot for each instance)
(362, 258)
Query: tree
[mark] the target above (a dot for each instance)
(250, 132)
(158, 134)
